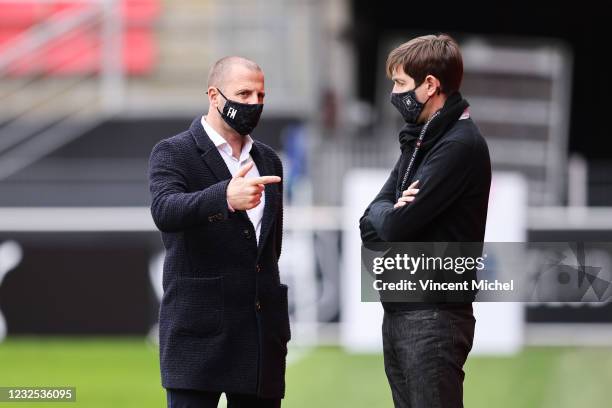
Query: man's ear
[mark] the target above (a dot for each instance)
(434, 86)
(213, 96)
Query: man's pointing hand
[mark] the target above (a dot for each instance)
(245, 193)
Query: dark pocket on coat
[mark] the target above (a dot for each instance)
(200, 306)
(283, 313)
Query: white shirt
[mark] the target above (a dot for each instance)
(233, 164)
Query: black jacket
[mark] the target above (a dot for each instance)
(223, 319)
(451, 205)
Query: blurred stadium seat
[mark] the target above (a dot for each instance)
(78, 51)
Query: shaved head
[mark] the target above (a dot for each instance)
(218, 73)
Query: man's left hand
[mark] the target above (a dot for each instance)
(407, 195)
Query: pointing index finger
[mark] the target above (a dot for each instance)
(265, 180)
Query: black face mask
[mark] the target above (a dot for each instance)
(408, 105)
(242, 117)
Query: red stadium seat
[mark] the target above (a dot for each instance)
(79, 51)
(20, 13)
(140, 11)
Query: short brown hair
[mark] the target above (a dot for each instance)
(436, 55)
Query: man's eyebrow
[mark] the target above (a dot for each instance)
(396, 79)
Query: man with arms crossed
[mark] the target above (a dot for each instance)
(437, 192)
(217, 200)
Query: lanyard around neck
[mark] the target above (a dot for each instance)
(417, 147)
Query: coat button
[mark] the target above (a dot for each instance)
(257, 305)
(215, 217)
(247, 233)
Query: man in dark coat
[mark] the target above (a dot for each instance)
(217, 200)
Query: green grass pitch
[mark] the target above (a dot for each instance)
(123, 372)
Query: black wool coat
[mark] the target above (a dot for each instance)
(223, 318)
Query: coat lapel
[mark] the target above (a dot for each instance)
(209, 152)
(266, 168)
(211, 156)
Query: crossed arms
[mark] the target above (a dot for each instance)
(444, 176)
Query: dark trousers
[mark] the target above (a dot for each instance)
(424, 353)
(178, 398)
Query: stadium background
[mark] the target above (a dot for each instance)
(88, 87)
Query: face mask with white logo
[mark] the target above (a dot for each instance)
(242, 117)
(408, 105)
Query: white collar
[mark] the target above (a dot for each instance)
(222, 144)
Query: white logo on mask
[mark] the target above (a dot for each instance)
(231, 112)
